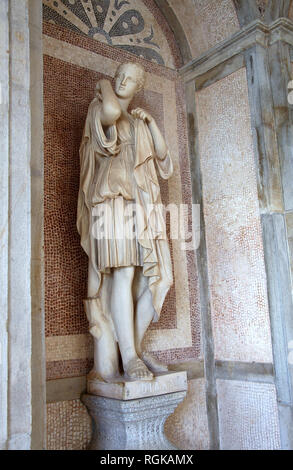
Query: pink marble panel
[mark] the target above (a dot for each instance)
(248, 416)
(187, 427)
(240, 316)
(205, 22)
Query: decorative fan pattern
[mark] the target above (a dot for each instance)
(126, 24)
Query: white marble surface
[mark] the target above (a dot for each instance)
(16, 223)
(248, 416)
(19, 322)
(4, 142)
(129, 390)
(133, 424)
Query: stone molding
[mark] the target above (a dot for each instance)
(256, 32)
(4, 141)
(16, 227)
(73, 387)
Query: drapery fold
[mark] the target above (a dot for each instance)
(151, 230)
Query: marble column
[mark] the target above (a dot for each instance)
(17, 139)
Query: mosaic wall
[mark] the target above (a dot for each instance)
(72, 66)
(68, 426)
(135, 26)
(240, 317)
(248, 416)
(205, 22)
(187, 427)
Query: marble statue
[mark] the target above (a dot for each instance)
(130, 270)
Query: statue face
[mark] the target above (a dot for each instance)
(126, 84)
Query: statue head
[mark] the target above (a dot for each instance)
(129, 79)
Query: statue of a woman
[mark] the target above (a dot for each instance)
(130, 270)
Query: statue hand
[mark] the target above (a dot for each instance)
(140, 113)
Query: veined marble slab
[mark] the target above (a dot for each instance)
(130, 390)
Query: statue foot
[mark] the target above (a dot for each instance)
(94, 375)
(135, 369)
(153, 364)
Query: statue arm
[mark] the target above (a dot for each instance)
(159, 141)
(110, 110)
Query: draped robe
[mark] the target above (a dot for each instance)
(99, 152)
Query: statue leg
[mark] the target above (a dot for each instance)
(123, 318)
(144, 313)
(106, 354)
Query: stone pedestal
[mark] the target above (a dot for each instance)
(134, 414)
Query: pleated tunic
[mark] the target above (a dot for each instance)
(114, 199)
(118, 169)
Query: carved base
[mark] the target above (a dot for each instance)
(132, 424)
(167, 382)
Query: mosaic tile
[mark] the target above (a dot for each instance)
(187, 427)
(205, 22)
(87, 44)
(134, 26)
(68, 426)
(248, 416)
(239, 304)
(71, 368)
